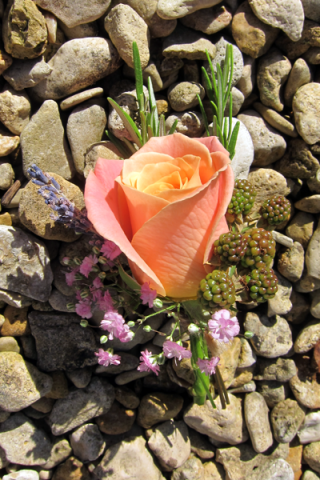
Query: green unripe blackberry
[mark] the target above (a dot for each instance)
(261, 248)
(276, 210)
(230, 247)
(262, 284)
(217, 289)
(243, 198)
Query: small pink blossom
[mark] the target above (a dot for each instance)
(173, 350)
(87, 264)
(71, 276)
(148, 363)
(208, 366)
(97, 283)
(105, 302)
(116, 326)
(222, 326)
(83, 309)
(107, 358)
(148, 295)
(110, 250)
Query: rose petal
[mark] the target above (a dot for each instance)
(137, 162)
(151, 174)
(213, 144)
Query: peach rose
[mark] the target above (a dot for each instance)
(164, 208)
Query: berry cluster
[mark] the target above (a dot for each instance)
(262, 283)
(243, 198)
(230, 247)
(261, 248)
(276, 210)
(217, 289)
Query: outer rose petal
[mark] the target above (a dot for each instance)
(101, 197)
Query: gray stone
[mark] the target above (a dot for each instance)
(200, 445)
(80, 31)
(25, 266)
(81, 405)
(220, 57)
(60, 451)
(247, 356)
(6, 176)
(158, 407)
(309, 475)
(60, 302)
(276, 120)
(248, 78)
(273, 392)
(22, 475)
(43, 142)
(286, 419)
(257, 421)
(127, 397)
(280, 370)
(282, 239)
(81, 97)
(273, 469)
(298, 162)
(267, 183)
(86, 125)
(190, 124)
(308, 337)
(183, 96)
(117, 421)
(304, 384)
(309, 204)
(21, 382)
(62, 344)
(180, 8)
(309, 431)
(311, 10)
(315, 304)
(280, 304)
(311, 454)
(186, 43)
(312, 258)
(244, 153)
(300, 75)
(15, 109)
(77, 64)
(80, 377)
(300, 228)
(87, 442)
(105, 150)
(8, 142)
(27, 73)
(306, 109)
(23, 442)
(208, 20)
(9, 344)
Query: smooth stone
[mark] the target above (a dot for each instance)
(43, 405)
(28, 347)
(186, 43)
(28, 274)
(291, 262)
(304, 384)
(298, 162)
(308, 337)
(286, 419)
(315, 304)
(8, 142)
(313, 56)
(237, 102)
(23, 442)
(309, 38)
(80, 377)
(116, 24)
(62, 344)
(229, 354)
(208, 20)
(190, 123)
(117, 420)
(267, 183)
(300, 228)
(7, 176)
(219, 58)
(246, 388)
(272, 337)
(60, 388)
(273, 469)
(86, 125)
(273, 392)
(81, 405)
(248, 78)
(60, 302)
(312, 258)
(72, 468)
(282, 239)
(22, 475)
(300, 75)
(306, 109)
(128, 362)
(87, 442)
(280, 304)
(311, 10)
(70, 16)
(222, 425)
(309, 204)
(200, 445)
(36, 215)
(80, 31)
(309, 430)
(253, 37)
(158, 407)
(9, 344)
(257, 421)
(77, 64)
(60, 451)
(284, 14)
(269, 145)
(127, 397)
(180, 8)
(43, 142)
(151, 71)
(244, 152)
(27, 73)
(24, 29)
(273, 71)
(276, 120)
(5, 61)
(280, 370)
(183, 96)
(105, 150)
(52, 26)
(247, 357)
(311, 454)
(307, 284)
(309, 475)
(81, 97)
(15, 109)
(115, 465)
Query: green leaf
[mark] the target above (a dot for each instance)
(125, 152)
(204, 115)
(130, 145)
(194, 310)
(129, 281)
(213, 77)
(150, 132)
(153, 108)
(128, 122)
(137, 71)
(173, 128)
(143, 127)
(233, 140)
(208, 85)
(232, 270)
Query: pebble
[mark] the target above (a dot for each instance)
(183, 96)
(127, 397)
(59, 302)
(273, 392)
(314, 182)
(170, 444)
(309, 475)
(309, 431)
(200, 445)
(281, 304)
(117, 420)
(87, 442)
(80, 377)
(280, 370)
(86, 125)
(257, 421)
(247, 357)
(269, 145)
(284, 14)
(248, 78)
(273, 71)
(105, 150)
(7, 176)
(310, 37)
(5, 61)
(77, 64)
(273, 469)
(116, 24)
(24, 29)
(23, 442)
(43, 405)
(27, 73)
(308, 337)
(276, 120)
(72, 468)
(62, 344)
(253, 37)
(190, 124)
(315, 304)
(81, 97)
(22, 475)
(208, 20)
(304, 385)
(28, 347)
(229, 358)
(267, 183)
(313, 56)
(307, 284)
(311, 454)
(300, 228)
(8, 142)
(15, 109)
(80, 31)
(157, 407)
(35, 214)
(299, 161)
(115, 465)
(286, 419)
(309, 204)
(9, 344)
(60, 451)
(311, 10)
(300, 75)
(272, 337)
(306, 109)
(180, 8)
(220, 56)
(282, 239)
(222, 425)
(43, 142)
(70, 16)
(313, 254)
(186, 43)
(244, 152)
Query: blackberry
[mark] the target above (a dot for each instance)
(217, 289)
(243, 198)
(261, 248)
(230, 247)
(262, 284)
(276, 210)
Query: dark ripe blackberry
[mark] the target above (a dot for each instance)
(261, 248)
(217, 289)
(230, 247)
(243, 198)
(276, 210)
(262, 284)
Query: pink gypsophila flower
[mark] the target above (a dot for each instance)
(110, 250)
(148, 295)
(107, 358)
(208, 366)
(116, 326)
(173, 350)
(83, 309)
(148, 363)
(105, 302)
(222, 326)
(87, 264)
(70, 276)
(97, 283)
